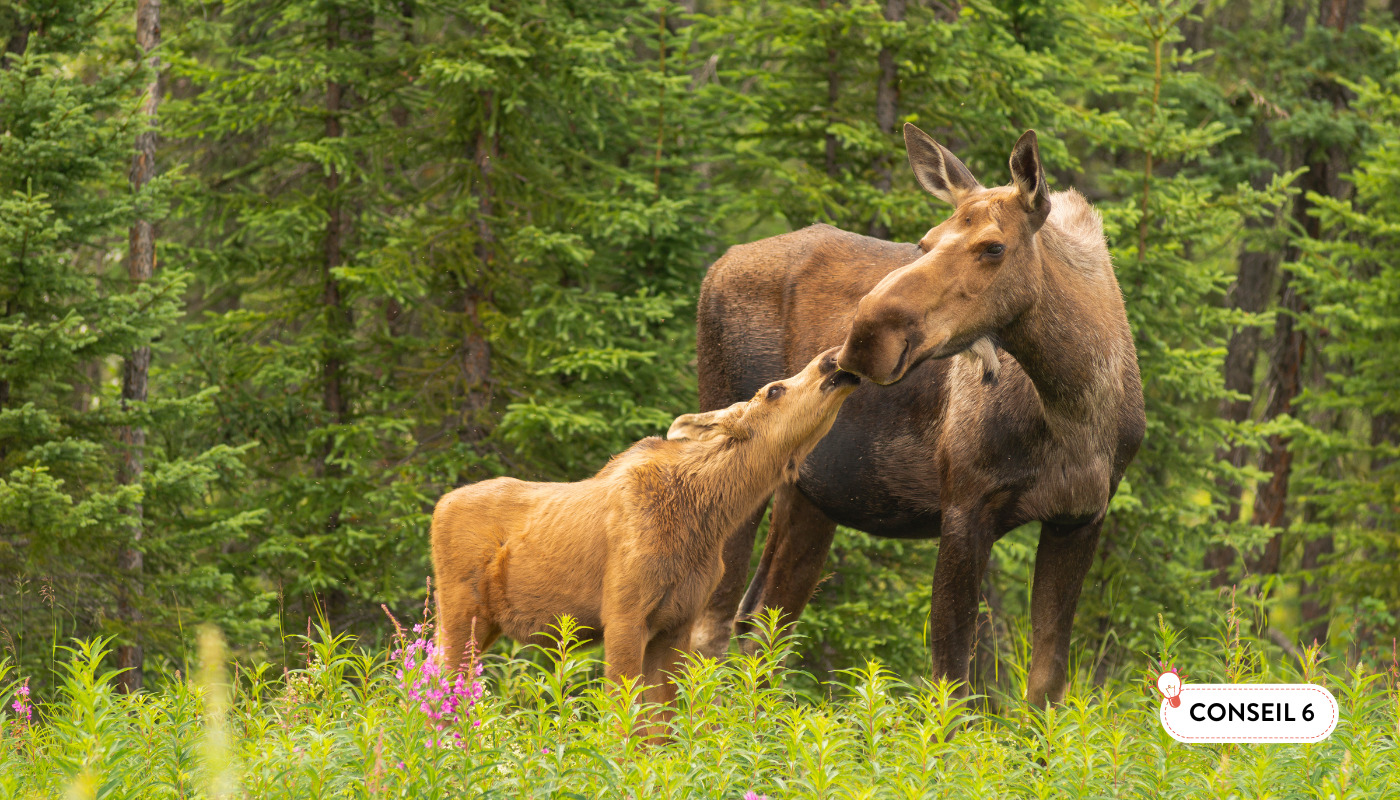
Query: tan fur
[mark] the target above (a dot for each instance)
(632, 553)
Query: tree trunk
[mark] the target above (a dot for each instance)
(476, 351)
(1323, 177)
(1283, 384)
(1315, 613)
(337, 313)
(16, 44)
(399, 112)
(1339, 14)
(1295, 18)
(393, 312)
(946, 10)
(1194, 29)
(886, 113)
(332, 368)
(1254, 283)
(141, 266)
(87, 386)
(833, 92)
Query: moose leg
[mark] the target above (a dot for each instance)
(711, 632)
(624, 648)
(462, 621)
(1062, 559)
(624, 653)
(799, 538)
(963, 549)
(664, 656)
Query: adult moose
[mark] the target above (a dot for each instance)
(963, 449)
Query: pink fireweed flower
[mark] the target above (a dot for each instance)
(445, 700)
(24, 711)
(754, 796)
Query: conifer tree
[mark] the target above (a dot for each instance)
(136, 375)
(1349, 274)
(403, 225)
(66, 306)
(407, 244)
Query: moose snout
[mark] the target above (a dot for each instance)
(831, 374)
(883, 338)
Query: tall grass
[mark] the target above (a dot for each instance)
(355, 723)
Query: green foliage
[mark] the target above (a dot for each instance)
(1173, 230)
(510, 289)
(68, 315)
(1352, 278)
(343, 726)
(408, 245)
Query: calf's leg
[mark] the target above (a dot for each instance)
(799, 538)
(665, 655)
(711, 632)
(624, 651)
(624, 648)
(963, 549)
(1062, 559)
(462, 619)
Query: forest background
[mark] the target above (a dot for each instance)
(276, 274)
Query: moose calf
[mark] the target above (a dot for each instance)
(634, 552)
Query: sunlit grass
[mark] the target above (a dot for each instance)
(355, 723)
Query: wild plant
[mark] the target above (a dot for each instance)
(370, 723)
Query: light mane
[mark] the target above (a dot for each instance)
(1073, 234)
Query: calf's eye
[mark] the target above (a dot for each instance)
(995, 249)
(774, 392)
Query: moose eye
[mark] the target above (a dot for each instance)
(775, 391)
(995, 250)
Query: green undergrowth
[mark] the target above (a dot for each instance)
(358, 723)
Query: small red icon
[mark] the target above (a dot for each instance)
(1169, 684)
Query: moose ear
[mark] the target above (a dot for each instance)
(936, 169)
(694, 427)
(707, 425)
(1028, 177)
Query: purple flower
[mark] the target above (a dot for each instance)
(444, 700)
(751, 795)
(21, 704)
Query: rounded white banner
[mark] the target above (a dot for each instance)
(1265, 712)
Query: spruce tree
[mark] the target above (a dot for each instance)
(70, 315)
(1349, 473)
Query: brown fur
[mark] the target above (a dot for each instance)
(943, 448)
(632, 553)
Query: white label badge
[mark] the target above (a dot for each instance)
(1266, 712)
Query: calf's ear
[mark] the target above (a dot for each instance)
(707, 425)
(693, 427)
(936, 168)
(697, 426)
